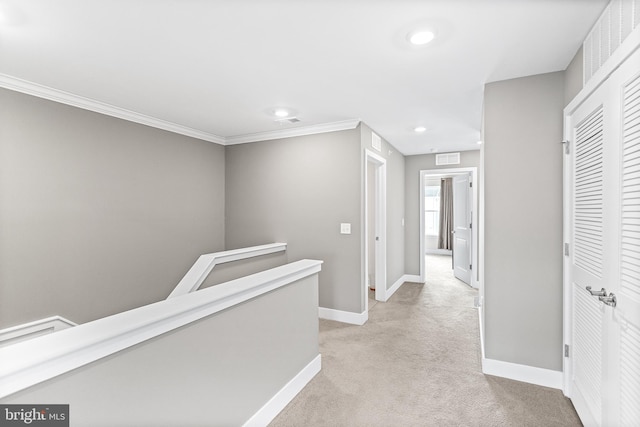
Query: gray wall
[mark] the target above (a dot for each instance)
(523, 220)
(98, 215)
(395, 205)
(217, 371)
(298, 191)
(573, 77)
(413, 166)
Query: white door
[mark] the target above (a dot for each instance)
(604, 252)
(461, 229)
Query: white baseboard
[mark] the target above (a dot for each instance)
(395, 287)
(272, 408)
(481, 327)
(343, 316)
(524, 373)
(438, 252)
(413, 278)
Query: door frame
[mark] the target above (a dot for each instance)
(473, 171)
(380, 215)
(624, 51)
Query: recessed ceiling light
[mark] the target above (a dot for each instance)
(420, 129)
(420, 38)
(281, 112)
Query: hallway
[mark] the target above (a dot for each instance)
(417, 362)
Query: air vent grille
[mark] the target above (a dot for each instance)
(447, 159)
(617, 21)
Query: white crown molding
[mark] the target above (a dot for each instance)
(67, 98)
(41, 91)
(288, 133)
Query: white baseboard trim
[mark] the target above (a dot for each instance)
(272, 408)
(395, 287)
(438, 252)
(413, 278)
(343, 316)
(524, 373)
(481, 327)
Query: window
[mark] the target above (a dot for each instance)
(432, 210)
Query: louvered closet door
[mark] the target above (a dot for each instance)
(626, 316)
(605, 231)
(591, 219)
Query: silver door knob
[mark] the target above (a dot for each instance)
(610, 300)
(601, 293)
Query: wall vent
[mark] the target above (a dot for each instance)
(447, 159)
(617, 21)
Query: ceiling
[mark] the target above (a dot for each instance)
(219, 68)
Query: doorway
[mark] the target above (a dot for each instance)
(457, 239)
(375, 257)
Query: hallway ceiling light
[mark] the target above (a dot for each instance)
(281, 112)
(420, 37)
(420, 129)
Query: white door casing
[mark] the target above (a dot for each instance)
(380, 227)
(461, 228)
(473, 172)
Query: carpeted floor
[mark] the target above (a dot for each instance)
(416, 362)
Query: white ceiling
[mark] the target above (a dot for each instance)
(219, 66)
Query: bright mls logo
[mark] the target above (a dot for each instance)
(34, 415)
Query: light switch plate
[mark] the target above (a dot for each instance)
(345, 228)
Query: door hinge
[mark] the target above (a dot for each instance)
(470, 225)
(566, 249)
(470, 184)
(470, 267)
(566, 350)
(566, 144)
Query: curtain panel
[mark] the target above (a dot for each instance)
(445, 238)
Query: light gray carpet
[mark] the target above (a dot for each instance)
(416, 362)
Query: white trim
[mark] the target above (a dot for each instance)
(475, 257)
(277, 403)
(343, 316)
(288, 133)
(396, 285)
(524, 373)
(205, 263)
(413, 278)
(438, 252)
(26, 331)
(31, 362)
(67, 98)
(380, 227)
(480, 312)
(56, 95)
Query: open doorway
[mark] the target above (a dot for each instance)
(375, 278)
(448, 210)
